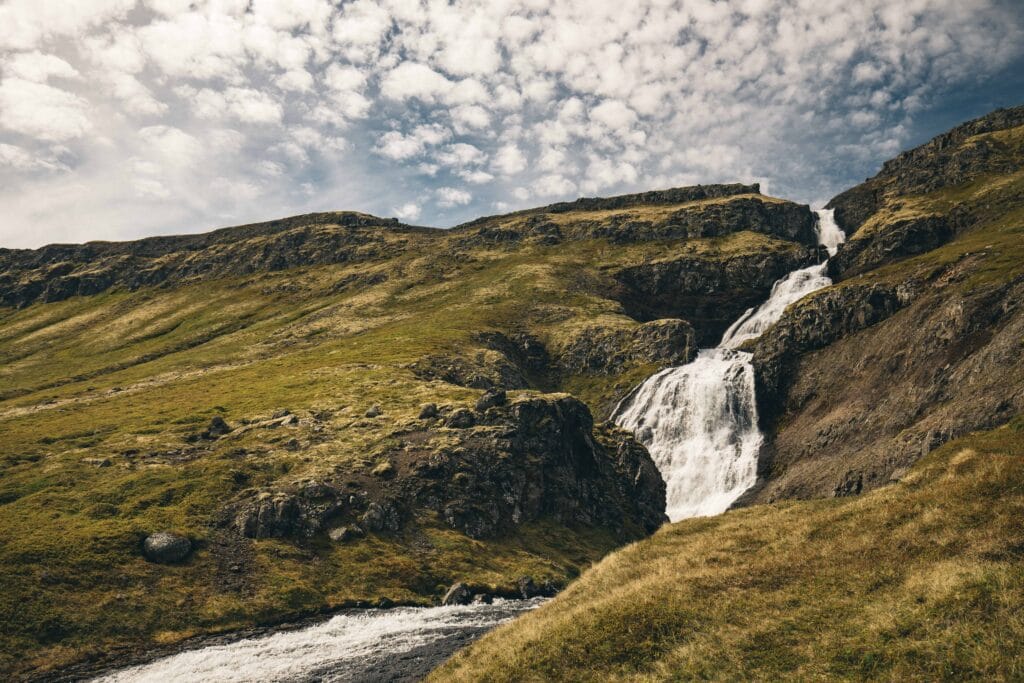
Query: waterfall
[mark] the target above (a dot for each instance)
(699, 421)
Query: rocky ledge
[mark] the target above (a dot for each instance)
(483, 472)
(60, 271)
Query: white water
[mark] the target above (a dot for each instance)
(348, 647)
(699, 421)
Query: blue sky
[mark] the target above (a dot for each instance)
(125, 118)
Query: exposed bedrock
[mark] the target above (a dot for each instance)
(538, 458)
(708, 293)
(893, 374)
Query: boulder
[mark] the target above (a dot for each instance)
(458, 594)
(527, 588)
(428, 411)
(218, 427)
(344, 534)
(374, 410)
(483, 599)
(164, 547)
(382, 517)
(492, 398)
(460, 419)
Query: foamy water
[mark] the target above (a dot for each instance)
(356, 646)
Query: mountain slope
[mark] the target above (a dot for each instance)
(902, 382)
(317, 340)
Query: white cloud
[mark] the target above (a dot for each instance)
(38, 67)
(411, 80)
(509, 160)
(467, 118)
(366, 104)
(407, 212)
(42, 111)
(243, 104)
(450, 196)
(395, 145)
(21, 160)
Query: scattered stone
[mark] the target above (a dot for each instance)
(382, 517)
(374, 410)
(494, 397)
(292, 445)
(460, 419)
(428, 411)
(283, 412)
(458, 594)
(290, 420)
(166, 548)
(97, 462)
(344, 534)
(384, 470)
(218, 427)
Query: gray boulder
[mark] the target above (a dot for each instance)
(494, 397)
(427, 411)
(164, 547)
(458, 594)
(461, 419)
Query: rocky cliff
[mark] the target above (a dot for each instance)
(917, 343)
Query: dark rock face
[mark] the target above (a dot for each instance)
(892, 242)
(942, 162)
(541, 458)
(56, 272)
(164, 547)
(898, 372)
(492, 398)
(299, 513)
(218, 427)
(601, 350)
(481, 370)
(816, 322)
(710, 294)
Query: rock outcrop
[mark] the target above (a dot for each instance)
(708, 293)
(953, 158)
(511, 463)
(59, 271)
(601, 350)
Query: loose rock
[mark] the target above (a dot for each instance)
(166, 548)
(458, 594)
(374, 410)
(460, 419)
(495, 397)
(427, 411)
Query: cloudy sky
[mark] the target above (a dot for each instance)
(123, 118)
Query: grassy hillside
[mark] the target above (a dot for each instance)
(922, 580)
(103, 399)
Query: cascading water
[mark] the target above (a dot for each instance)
(699, 421)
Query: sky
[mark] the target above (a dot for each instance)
(126, 118)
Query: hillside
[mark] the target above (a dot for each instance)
(902, 382)
(315, 404)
